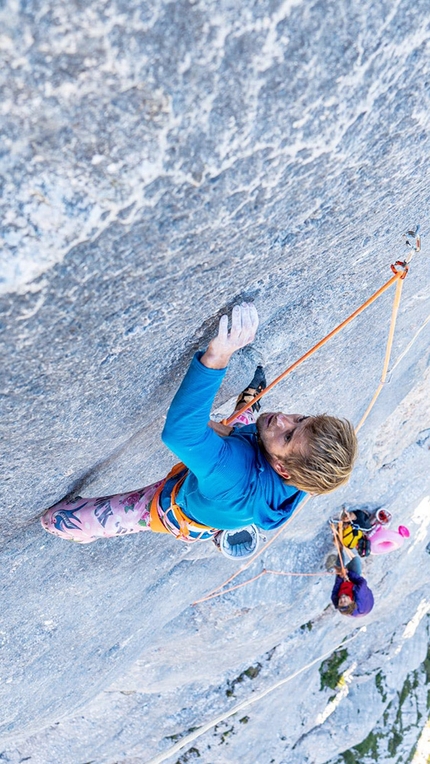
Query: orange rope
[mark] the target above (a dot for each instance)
(344, 574)
(394, 312)
(254, 578)
(397, 278)
(339, 531)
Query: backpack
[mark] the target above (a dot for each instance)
(351, 536)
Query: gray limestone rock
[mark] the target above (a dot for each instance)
(160, 162)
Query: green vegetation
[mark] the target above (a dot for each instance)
(223, 732)
(404, 693)
(329, 669)
(394, 742)
(393, 735)
(180, 735)
(379, 681)
(426, 666)
(369, 747)
(250, 673)
(271, 653)
(227, 734)
(306, 626)
(190, 755)
(386, 714)
(411, 683)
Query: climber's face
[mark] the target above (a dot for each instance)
(282, 435)
(344, 600)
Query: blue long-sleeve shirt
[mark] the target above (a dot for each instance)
(230, 483)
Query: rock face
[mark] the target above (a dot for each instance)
(161, 161)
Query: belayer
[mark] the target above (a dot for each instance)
(351, 596)
(254, 472)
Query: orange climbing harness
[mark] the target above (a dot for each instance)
(400, 270)
(173, 520)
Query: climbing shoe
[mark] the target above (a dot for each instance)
(331, 563)
(257, 384)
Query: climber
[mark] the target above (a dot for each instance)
(351, 596)
(254, 472)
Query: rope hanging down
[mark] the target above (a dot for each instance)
(400, 270)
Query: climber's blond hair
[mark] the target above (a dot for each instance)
(327, 459)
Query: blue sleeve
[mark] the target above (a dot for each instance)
(362, 595)
(335, 592)
(355, 578)
(186, 431)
